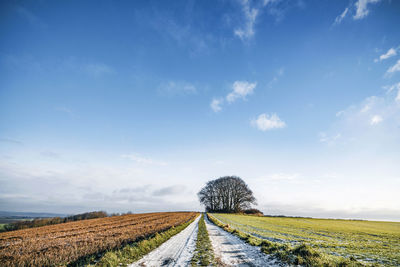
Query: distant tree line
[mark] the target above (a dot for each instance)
(55, 220)
(226, 194)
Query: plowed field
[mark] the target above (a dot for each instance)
(68, 242)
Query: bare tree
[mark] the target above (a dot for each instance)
(226, 194)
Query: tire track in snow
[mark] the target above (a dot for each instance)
(177, 251)
(229, 250)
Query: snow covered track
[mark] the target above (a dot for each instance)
(177, 251)
(230, 250)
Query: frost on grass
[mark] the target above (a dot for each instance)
(348, 242)
(231, 250)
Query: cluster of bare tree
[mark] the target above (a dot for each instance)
(226, 194)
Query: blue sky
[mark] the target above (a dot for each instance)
(134, 105)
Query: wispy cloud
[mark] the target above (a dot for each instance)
(216, 104)
(357, 124)
(265, 122)
(329, 139)
(339, 18)
(393, 69)
(362, 8)
(251, 10)
(246, 31)
(143, 160)
(173, 88)
(359, 9)
(390, 53)
(240, 89)
(390, 88)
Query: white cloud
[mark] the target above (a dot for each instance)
(370, 105)
(216, 104)
(393, 69)
(390, 88)
(143, 160)
(362, 8)
(240, 89)
(75, 188)
(177, 88)
(265, 122)
(394, 87)
(341, 16)
(376, 119)
(390, 53)
(356, 124)
(247, 31)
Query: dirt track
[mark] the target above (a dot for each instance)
(177, 251)
(230, 250)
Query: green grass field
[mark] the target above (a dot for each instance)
(367, 241)
(203, 255)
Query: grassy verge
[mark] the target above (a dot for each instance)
(133, 252)
(203, 255)
(300, 255)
